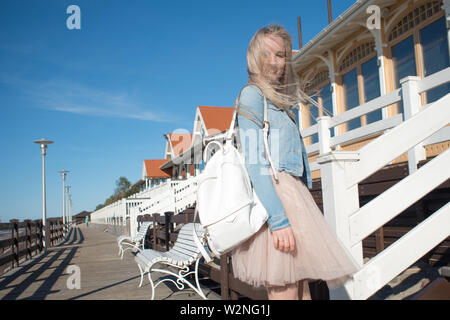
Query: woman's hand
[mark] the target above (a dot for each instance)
(283, 239)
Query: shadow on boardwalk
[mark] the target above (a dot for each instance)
(52, 266)
(103, 275)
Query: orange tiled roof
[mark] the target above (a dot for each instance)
(216, 119)
(153, 170)
(180, 142)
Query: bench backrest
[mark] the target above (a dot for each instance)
(184, 245)
(143, 229)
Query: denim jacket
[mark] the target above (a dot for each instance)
(286, 147)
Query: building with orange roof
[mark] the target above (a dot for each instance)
(177, 143)
(209, 122)
(152, 174)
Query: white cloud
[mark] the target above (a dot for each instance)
(68, 96)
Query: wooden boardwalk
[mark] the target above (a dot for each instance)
(104, 276)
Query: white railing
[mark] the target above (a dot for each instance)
(146, 193)
(114, 213)
(174, 196)
(341, 171)
(118, 212)
(185, 194)
(411, 105)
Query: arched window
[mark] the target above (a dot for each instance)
(319, 78)
(319, 89)
(423, 25)
(414, 18)
(357, 54)
(360, 82)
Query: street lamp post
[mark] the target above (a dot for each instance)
(70, 208)
(64, 174)
(44, 143)
(67, 203)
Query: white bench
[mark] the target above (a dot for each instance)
(182, 255)
(127, 242)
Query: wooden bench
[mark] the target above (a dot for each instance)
(181, 256)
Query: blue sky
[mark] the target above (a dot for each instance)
(108, 92)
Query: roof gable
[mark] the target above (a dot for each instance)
(216, 119)
(180, 142)
(152, 170)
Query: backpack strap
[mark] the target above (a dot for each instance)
(266, 127)
(197, 241)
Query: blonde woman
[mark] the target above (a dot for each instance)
(296, 244)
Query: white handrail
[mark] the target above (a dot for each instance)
(342, 171)
(388, 205)
(372, 105)
(434, 80)
(411, 247)
(394, 143)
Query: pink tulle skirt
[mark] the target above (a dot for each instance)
(319, 254)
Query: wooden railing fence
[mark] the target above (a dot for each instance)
(25, 240)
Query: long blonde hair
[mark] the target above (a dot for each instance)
(286, 94)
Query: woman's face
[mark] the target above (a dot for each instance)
(274, 58)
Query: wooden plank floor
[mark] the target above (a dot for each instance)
(104, 276)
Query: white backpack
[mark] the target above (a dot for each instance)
(229, 209)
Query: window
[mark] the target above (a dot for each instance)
(435, 55)
(351, 98)
(326, 103)
(404, 61)
(371, 80)
(433, 43)
(314, 114)
(318, 79)
(319, 90)
(357, 54)
(414, 18)
(362, 83)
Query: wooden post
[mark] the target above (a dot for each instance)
(39, 231)
(61, 230)
(58, 226)
(224, 278)
(339, 202)
(15, 242)
(300, 40)
(36, 235)
(411, 106)
(155, 242)
(168, 228)
(330, 17)
(379, 240)
(28, 239)
(234, 295)
(48, 230)
(324, 134)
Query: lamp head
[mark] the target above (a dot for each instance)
(63, 173)
(43, 143)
